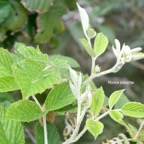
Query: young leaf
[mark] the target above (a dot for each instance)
(94, 127)
(114, 97)
(7, 81)
(53, 136)
(97, 101)
(11, 132)
(100, 44)
(87, 47)
(133, 109)
(35, 77)
(59, 97)
(84, 19)
(24, 110)
(116, 116)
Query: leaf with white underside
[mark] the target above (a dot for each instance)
(87, 47)
(114, 97)
(53, 136)
(24, 110)
(97, 101)
(84, 19)
(116, 116)
(100, 44)
(7, 80)
(35, 77)
(11, 132)
(137, 56)
(133, 109)
(59, 97)
(94, 127)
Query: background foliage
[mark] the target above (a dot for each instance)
(54, 25)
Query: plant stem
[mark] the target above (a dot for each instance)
(44, 121)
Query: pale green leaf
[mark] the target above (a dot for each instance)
(35, 77)
(59, 97)
(137, 56)
(91, 33)
(97, 101)
(7, 81)
(100, 44)
(133, 109)
(114, 97)
(29, 52)
(87, 47)
(40, 6)
(24, 110)
(116, 116)
(53, 136)
(94, 127)
(11, 132)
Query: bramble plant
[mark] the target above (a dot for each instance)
(32, 72)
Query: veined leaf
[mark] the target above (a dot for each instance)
(53, 136)
(11, 132)
(29, 52)
(40, 6)
(133, 109)
(59, 97)
(34, 77)
(100, 44)
(94, 127)
(24, 110)
(114, 97)
(97, 101)
(87, 47)
(7, 81)
(116, 116)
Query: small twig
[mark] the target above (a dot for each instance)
(30, 135)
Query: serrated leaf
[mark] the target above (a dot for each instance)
(63, 61)
(11, 132)
(24, 110)
(29, 52)
(39, 6)
(53, 136)
(100, 44)
(87, 47)
(94, 127)
(116, 116)
(97, 101)
(7, 81)
(59, 97)
(114, 97)
(4, 10)
(35, 77)
(133, 109)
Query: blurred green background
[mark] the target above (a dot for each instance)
(55, 26)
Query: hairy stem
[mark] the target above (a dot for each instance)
(44, 121)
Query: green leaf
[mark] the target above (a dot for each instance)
(59, 97)
(24, 110)
(116, 116)
(114, 97)
(11, 132)
(29, 52)
(94, 127)
(4, 10)
(137, 56)
(133, 109)
(91, 33)
(87, 47)
(97, 101)
(53, 136)
(39, 6)
(17, 17)
(100, 44)
(7, 81)
(35, 77)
